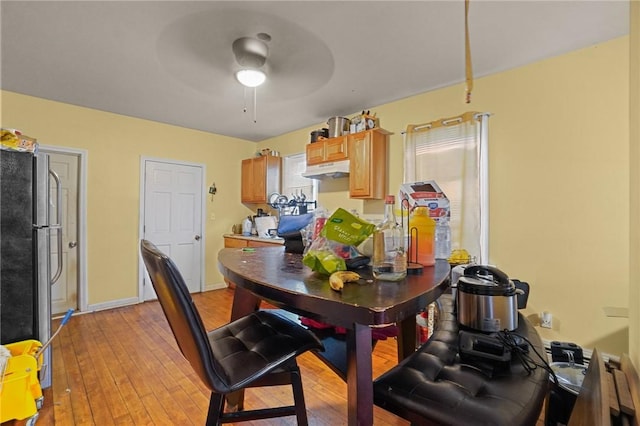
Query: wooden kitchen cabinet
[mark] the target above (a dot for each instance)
(239, 242)
(326, 150)
(233, 242)
(230, 242)
(260, 177)
(368, 164)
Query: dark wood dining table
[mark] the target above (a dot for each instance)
(280, 278)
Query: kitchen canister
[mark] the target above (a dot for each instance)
(338, 126)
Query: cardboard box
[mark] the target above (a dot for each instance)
(426, 193)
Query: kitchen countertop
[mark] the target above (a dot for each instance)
(275, 240)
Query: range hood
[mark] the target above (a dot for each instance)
(333, 169)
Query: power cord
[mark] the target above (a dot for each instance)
(514, 342)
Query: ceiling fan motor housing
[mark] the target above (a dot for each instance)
(250, 52)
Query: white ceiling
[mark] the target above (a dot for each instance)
(171, 61)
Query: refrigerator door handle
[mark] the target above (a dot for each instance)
(58, 224)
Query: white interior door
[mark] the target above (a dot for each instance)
(173, 218)
(64, 293)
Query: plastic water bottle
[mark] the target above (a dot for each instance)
(389, 255)
(443, 238)
(246, 226)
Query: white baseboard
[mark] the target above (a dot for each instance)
(134, 300)
(113, 304)
(215, 286)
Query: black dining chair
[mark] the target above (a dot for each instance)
(257, 350)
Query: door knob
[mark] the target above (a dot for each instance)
(197, 237)
(73, 244)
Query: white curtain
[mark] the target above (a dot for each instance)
(453, 153)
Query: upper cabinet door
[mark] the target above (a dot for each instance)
(246, 188)
(260, 178)
(336, 149)
(368, 164)
(325, 150)
(315, 153)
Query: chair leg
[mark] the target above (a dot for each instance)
(298, 398)
(216, 407)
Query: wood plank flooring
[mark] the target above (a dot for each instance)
(122, 367)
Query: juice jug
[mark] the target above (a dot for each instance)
(421, 237)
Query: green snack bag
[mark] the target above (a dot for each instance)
(324, 261)
(346, 228)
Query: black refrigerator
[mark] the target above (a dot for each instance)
(28, 216)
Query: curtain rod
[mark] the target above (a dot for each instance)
(467, 116)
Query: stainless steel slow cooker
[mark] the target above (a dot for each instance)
(486, 300)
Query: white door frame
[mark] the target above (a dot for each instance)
(83, 292)
(141, 267)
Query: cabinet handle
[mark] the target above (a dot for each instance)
(197, 237)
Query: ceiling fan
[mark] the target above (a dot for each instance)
(251, 54)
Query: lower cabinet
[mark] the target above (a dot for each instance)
(233, 242)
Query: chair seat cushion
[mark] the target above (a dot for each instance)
(433, 386)
(257, 343)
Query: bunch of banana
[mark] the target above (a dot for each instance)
(337, 279)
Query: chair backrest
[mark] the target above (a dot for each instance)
(182, 315)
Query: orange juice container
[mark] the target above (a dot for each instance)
(422, 230)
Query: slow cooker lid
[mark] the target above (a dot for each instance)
(485, 287)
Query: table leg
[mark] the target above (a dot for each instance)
(244, 302)
(359, 376)
(406, 337)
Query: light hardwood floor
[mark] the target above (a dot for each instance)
(122, 367)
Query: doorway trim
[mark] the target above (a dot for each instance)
(141, 267)
(82, 154)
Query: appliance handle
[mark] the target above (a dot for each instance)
(58, 224)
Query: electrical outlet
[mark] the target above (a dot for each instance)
(546, 320)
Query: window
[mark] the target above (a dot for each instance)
(453, 153)
(293, 184)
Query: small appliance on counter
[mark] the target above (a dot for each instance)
(487, 300)
(265, 225)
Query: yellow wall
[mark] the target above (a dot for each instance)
(559, 181)
(115, 145)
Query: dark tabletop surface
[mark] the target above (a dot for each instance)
(282, 279)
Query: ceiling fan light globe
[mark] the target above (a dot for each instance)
(251, 78)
